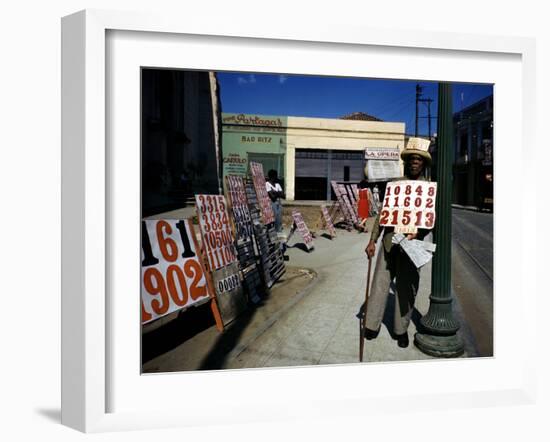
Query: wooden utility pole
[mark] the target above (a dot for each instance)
(429, 102)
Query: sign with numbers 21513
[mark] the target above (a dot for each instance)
(172, 277)
(215, 230)
(409, 206)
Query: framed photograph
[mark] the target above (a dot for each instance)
(111, 228)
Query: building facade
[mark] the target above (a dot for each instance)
(473, 159)
(180, 131)
(308, 153)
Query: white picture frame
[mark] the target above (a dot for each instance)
(86, 234)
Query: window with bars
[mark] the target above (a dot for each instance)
(315, 154)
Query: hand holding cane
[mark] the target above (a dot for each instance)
(364, 317)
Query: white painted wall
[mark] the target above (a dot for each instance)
(325, 133)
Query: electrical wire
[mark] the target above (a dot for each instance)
(388, 106)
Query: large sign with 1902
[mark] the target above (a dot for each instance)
(172, 277)
(409, 206)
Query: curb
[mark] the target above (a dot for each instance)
(277, 315)
(470, 208)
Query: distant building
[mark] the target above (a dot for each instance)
(181, 124)
(360, 116)
(473, 155)
(306, 152)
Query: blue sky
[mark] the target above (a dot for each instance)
(333, 97)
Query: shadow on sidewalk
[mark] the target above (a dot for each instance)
(227, 341)
(172, 334)
(192, 342)
(299, 245)
(253, 320)
(191, 323)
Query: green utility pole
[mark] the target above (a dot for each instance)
(440, 338)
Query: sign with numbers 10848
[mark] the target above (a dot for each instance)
(409, 206)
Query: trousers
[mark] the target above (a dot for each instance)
(396, 266)
(278, 212)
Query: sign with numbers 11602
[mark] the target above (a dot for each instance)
(409, 205)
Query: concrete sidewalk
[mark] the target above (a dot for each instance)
(324, 327)
(313, 321)
(193, 342)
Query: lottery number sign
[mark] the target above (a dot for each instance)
(409, 206)
(302, 229)
(343, 200)
(328, 221)
(239, 206)
(171, 274)
(215, 230)
(228, 284)
(229, 292)
(258, 178)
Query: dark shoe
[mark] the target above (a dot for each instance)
(403, 340)
(371, 334)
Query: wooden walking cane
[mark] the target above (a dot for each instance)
(364, 317)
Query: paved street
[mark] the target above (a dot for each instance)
(472, 274)
(473, 232)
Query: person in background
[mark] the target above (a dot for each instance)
(376, 197)
(363, 208)
(275, 192)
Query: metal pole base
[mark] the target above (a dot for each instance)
(439, 346)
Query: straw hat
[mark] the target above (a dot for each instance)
(417, 146)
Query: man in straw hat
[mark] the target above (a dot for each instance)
(393, 263)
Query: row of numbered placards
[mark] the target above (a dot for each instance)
(173, 276)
